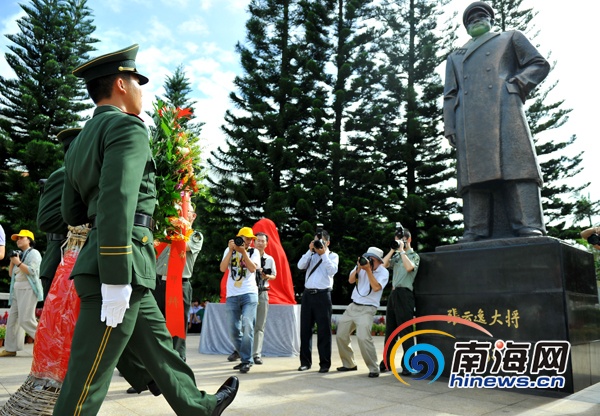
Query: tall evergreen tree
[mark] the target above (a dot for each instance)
(559, 196)
(45, 97)
(417, 166)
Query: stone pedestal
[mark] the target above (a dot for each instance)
(519, 289)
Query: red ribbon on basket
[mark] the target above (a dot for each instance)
(174, 288)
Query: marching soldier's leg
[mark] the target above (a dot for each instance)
(152, 342)
(133, 370)
(95, 351)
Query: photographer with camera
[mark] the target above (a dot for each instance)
(370, 278)
(320, 265)
(266, 272)
(592, 235)
(242, 295)
(401, 302)
(25, 292)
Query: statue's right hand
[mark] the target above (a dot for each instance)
(452, 140)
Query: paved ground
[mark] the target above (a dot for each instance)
(277, 388)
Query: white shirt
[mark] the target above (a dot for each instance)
(240, 280)
(363, 293)
(322, 277)
(269, 264)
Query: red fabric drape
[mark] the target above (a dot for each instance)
(174, 292)
(54, 334)
(282, 288)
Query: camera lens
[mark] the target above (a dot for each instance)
(362, 260)
(238, 241)
(318, 244)
(594, 239)
(395, 245)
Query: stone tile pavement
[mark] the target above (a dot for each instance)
(277, 388)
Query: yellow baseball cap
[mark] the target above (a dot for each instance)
(22, 233)
(246, 232)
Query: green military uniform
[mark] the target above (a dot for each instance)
(50, 220)
(110, 181)
(49, 217)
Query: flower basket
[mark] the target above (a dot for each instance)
(176, 152)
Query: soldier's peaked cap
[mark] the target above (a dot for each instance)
(118, 62)
(477, 6)
(67, 136)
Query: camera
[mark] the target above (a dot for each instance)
(594, 239)
(318, 244)
(15, 253)
(238, 241)
(319, 231)
(395, 245)
(362, 260)
(267, 271)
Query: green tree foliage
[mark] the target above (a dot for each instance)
(317, 136)
(42, 99)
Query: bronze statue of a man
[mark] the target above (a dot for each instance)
(487, 82)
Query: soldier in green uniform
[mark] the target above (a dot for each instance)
(49, 218)
(110, 183)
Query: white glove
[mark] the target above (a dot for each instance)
(115, 301)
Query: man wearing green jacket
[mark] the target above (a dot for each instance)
(49, 217)
(110, 183)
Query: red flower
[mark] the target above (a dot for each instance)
(184, 112)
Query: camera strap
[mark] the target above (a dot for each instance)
(358, 291)
(260, 282)
(313, 269)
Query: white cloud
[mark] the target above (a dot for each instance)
(195, 25)
(204, 65)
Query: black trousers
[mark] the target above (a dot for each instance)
(316, 308)
(400, 308)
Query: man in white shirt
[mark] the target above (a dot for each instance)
(242, 294)
(370, 278)
(320, 265)
(266, 272)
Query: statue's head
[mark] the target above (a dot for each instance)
(478, 18)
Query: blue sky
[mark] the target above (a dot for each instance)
(201, 35)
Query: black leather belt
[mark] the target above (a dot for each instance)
(363, 304)
(401, 287)
(315, 291)
(141, 220)
(55, 237)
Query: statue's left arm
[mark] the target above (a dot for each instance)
(532, 66)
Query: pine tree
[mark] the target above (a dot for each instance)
(254, 172)
(55, 37)
(417, 166)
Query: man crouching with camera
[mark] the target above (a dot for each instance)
(242, 294)
(370, 278)
(592, 235)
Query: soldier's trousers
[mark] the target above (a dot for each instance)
(96, 349)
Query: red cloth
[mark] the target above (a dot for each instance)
(282, 288)
(54, 334)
